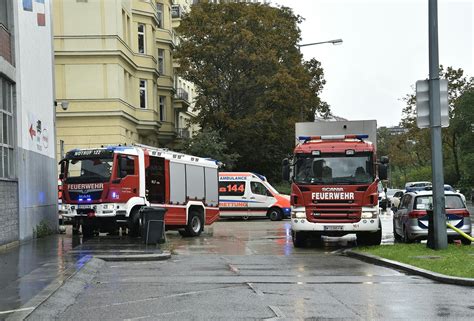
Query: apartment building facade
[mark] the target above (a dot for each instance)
(28, 180)
(114, 68)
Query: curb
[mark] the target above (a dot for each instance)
(135, 257)
(37, 303)
(410, 269)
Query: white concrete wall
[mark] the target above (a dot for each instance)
(36, 165)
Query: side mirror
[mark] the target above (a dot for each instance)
(383, 171)
(384, 160)
(63, 168)
(285, 169)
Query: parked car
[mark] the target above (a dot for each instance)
(410, 221)
(390, 193)
(396, 199)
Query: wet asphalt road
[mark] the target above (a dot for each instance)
(250, 270)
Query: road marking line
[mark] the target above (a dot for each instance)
(277, 311)
(234, 269)
(17, 310)
(257, 291)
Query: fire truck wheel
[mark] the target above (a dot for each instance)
(406, 237)
(195, 224)
(370, 238)
(299, 239)
(134, 223)
(245, 218)
(275, 214)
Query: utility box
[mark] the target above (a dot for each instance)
(153, 224)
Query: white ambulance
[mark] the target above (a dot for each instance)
(245, 194)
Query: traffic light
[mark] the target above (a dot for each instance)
(423, 103)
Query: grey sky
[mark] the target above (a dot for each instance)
(385, 49)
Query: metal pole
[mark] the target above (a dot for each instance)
(335, 41)
(439, 217)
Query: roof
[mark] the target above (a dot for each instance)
(430, 193)
(335, 146)
(152, 151)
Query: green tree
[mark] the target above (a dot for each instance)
(463, 126)
(209, 144)
(252, 82)
(457, 85)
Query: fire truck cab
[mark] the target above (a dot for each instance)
(105, 188)
(334, 185)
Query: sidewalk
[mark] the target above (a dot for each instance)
(29, 268)
(32, 271)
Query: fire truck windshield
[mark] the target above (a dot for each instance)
(89, 170)
(334, 169)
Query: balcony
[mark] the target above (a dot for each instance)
(181, 94)
(182, 133)
(176, 11)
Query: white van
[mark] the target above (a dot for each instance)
(245, 194)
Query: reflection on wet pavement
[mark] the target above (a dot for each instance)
(28, 269)
(261, 236)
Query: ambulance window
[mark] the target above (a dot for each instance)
(235, 188)
(259, 188)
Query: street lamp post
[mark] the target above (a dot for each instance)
(334, 42)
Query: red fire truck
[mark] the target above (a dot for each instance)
(334, 182)
(103, 189)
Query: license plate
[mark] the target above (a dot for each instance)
(334, 228)
(84, 206)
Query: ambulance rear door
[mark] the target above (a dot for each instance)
(233, 198)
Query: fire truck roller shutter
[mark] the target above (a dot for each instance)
(212, 194)
(177, 183)
(195, 182)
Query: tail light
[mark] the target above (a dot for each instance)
(416, 214)
(463, 213)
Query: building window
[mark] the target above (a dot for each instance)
(142, 93)
(6, 132)
(161, 61)
(162, 108)
(159, 13)
(141, 38)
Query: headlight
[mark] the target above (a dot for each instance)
(368, 215)
(369, 212)
(298, 212)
